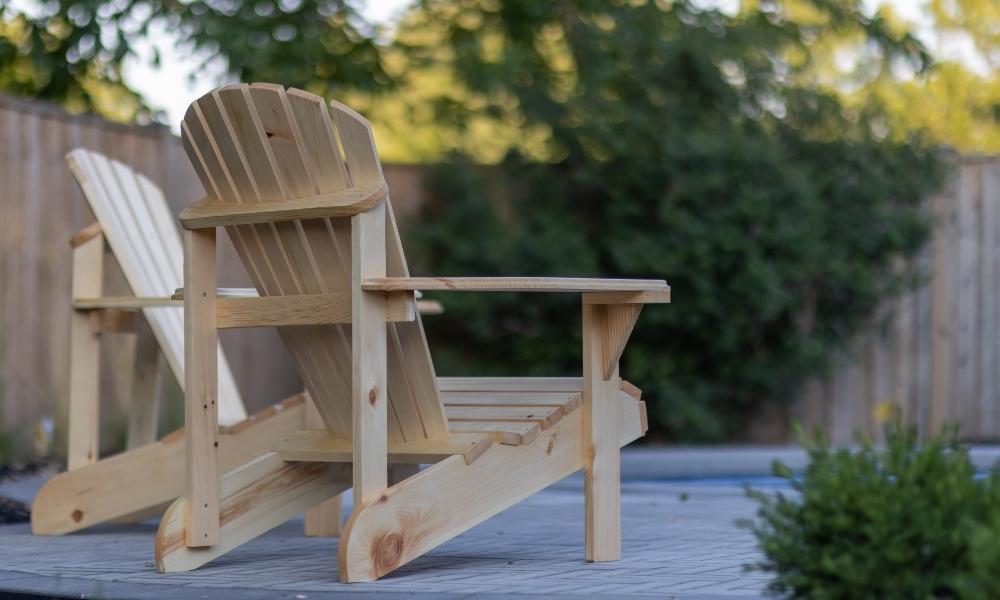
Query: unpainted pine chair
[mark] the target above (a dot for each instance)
(136, 224)
(299, 190)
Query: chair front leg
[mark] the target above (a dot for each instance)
(201, 411)
(369, 406)
(84, 363)
(602, 487)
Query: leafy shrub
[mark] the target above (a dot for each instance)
(777, 251)
(910, 520)
(778, 228)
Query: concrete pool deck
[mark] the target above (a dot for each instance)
(680, 540)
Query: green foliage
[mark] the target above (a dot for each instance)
(320, 45)
(72, 51)
(678, 149)
(51, 58)
(909, 520)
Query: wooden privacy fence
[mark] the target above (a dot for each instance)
(42, 207)
(933, 354)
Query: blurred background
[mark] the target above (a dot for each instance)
(814, 178)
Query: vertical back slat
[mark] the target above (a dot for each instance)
(412, 382)
(319, 141)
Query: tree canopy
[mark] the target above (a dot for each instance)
(72, 51)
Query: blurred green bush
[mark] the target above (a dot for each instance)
(681, 151)
(777, 249)
(909, 520)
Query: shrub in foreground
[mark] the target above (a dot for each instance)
(907, 520)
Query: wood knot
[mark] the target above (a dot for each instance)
(551, 446)
(387, 551)
(373, 395)
(77, 515)
(383, 498)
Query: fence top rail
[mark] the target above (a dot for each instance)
(979, 159)
(52, 110)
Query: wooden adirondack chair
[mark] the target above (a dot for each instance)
(135, 221)
(299, 189)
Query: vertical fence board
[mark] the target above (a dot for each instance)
(940, 359)
(987, 288)
(903, 347)
(924, 335)
(27, 355)
(989, 401)
(965, 391)
(11, 239)
(943, 286)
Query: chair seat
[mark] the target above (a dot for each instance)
(513, 410)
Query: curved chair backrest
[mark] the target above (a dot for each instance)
(142, 234)
(262, 143)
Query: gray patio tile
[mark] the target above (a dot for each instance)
(686, 549)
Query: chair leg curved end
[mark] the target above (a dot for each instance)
(170, 539)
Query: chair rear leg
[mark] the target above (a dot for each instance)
(144, 405)
(326, 519)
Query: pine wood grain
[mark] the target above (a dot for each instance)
(514, 284)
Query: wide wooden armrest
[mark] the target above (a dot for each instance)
(596, 291)
(124, 302)
(209, 212)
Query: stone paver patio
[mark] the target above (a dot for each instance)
(671, 547)
(687, 549)
(679, 541)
